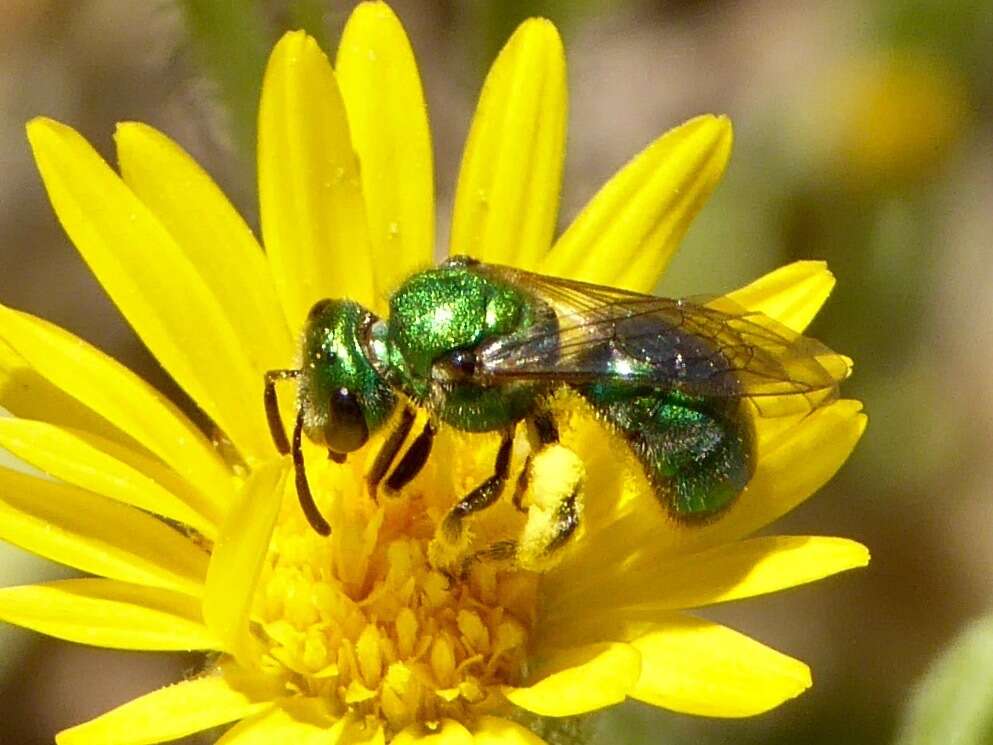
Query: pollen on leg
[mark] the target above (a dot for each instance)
(554, 503)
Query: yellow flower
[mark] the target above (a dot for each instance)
(864, 107)
(357, 638)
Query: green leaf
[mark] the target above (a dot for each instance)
(953, 703)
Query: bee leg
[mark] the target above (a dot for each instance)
(522, 485)
(413, 460)
(272, 407)
(554, 507)
(499, 551)
(547, 434)
(307, 504)
(384, 459)
(566, 522)
(483, 495)
(545, 427)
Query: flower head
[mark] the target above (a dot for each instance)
(197, 542)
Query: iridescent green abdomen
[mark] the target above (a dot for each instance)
(438, 314)
(698, 453)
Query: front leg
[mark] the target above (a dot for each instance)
(413, 460)
(392, 445)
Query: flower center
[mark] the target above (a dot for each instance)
(362, 621)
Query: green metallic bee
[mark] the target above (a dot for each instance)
(483, 347)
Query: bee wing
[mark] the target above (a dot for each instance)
(704, 348)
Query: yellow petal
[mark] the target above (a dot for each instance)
(97, 535)
(212, 235)
(313, 214)
(167, 714)
(107, 613)
(507, 199)
(698, 667)
(357, 730)
(796, 465)
(628, 232)
(745, 568)
(278, 725)
(25, 393)
(792, 294)
(497, 731)
(627, 518)
(449, 733)
(650, 584)
(103, 467)
(152, 282)
(580, 679)
(388, 120)
(238, 556)
(123, 399)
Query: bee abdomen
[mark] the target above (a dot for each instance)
(696, 452)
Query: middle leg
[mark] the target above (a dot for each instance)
(386, 455)
(553, 480)
(483, 495)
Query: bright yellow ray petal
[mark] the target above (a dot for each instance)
(122, 398)
(238, 555)
(497, 731)
(580, 679)
(743, 569)
(167, 714)
(627, 517)
(152, 282)
(388, 120)
(107, 613)
(313, 215)
(26, 393)
(628, 232)
(103, 467)
(279, 725)
(449, 733)
(97, 535)
(698, 667)
(650, 584)
(792, 294)
(212, 235)
(506, 203)
(796, 465)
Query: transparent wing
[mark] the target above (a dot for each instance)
(700, 347)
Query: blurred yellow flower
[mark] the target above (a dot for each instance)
(357, 638)
(897, 116)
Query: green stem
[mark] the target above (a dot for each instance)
(231, 40)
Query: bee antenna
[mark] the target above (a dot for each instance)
(307, 504)
(272, 407)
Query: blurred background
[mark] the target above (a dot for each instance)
(864, 136)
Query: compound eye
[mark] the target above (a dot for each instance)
(462, 363)
(346, 429)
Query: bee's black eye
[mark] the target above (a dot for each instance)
(346, 429)
(462, 362)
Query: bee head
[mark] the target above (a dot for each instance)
(342, 396)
